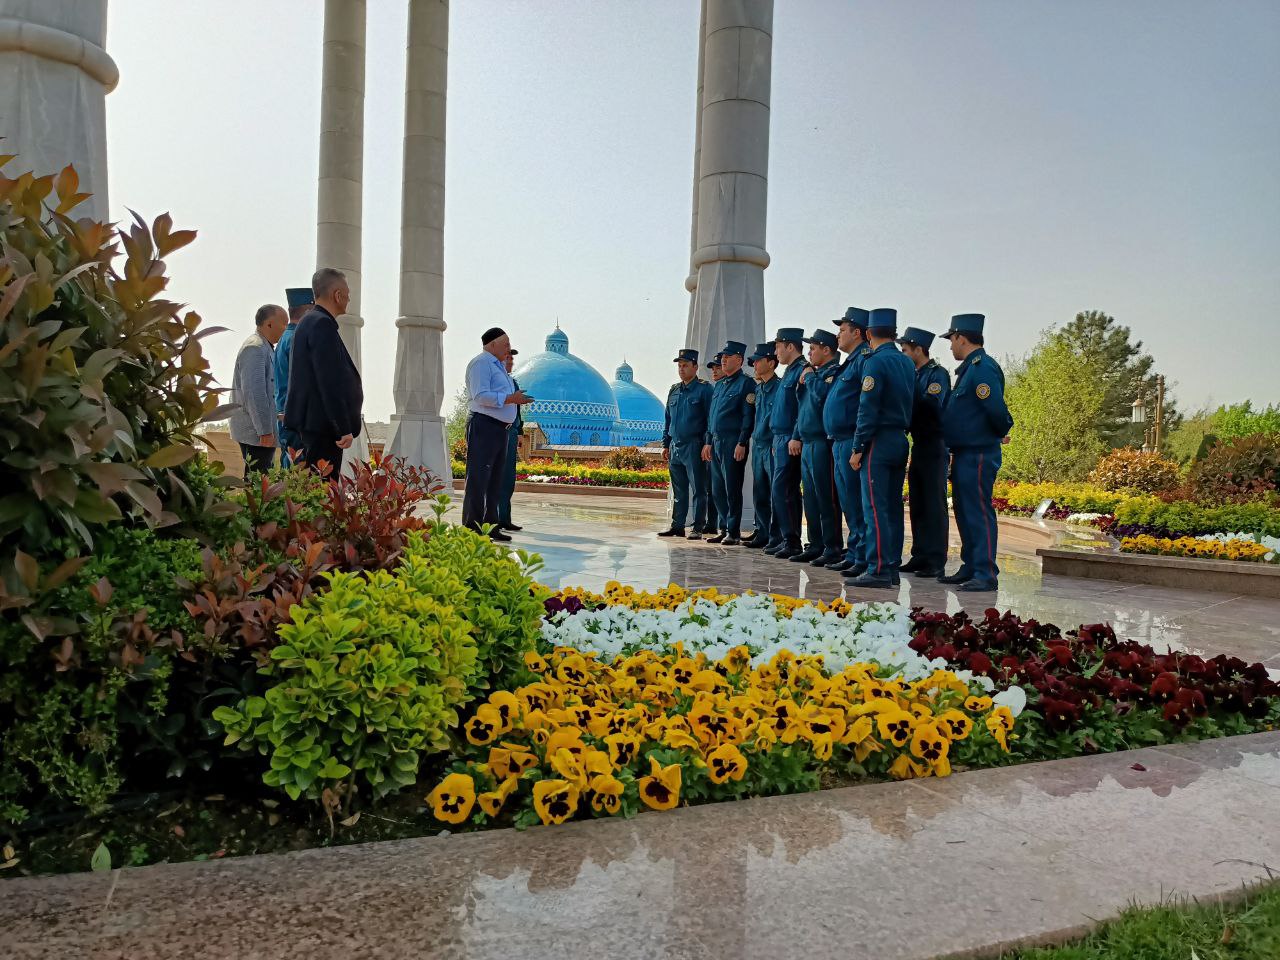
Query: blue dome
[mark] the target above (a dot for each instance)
(573, 404)
(640, 413)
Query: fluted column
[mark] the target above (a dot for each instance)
(417, 431)
(691, 281)
(54, 78)
(339, 210)
(733, 172)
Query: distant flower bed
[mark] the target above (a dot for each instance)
(1219, 547)
(578, 475)
(589, 481)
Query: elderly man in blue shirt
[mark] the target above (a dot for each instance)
(492, 399)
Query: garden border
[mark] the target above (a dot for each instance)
(1235, 577)
(589, 490)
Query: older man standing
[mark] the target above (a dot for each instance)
(325, 393)
(492, 400)
(300, 300)
(253, 423)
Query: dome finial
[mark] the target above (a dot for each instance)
(558, 340)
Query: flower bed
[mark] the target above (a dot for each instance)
(1219, 547)
(578, 475)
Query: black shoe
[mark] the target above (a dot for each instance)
(730, 541)
(869, 581)
(753, 544)
(912, 565)
(857, 570)
(960, 576)
(773, 551)
(924, 573)
(511, 527)
(841, 566)
(806, 556)
(673, 532)
(696, 535)
(497, 536)
(788, 553)
(718, 538)
(978, 586)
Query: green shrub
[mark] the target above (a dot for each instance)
(1238, 470)
(625, 458)
(1184, 518)
(504, 604)
(1076, 497)
(1135, 470)
(366, 682)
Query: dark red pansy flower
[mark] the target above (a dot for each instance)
(1165, 686)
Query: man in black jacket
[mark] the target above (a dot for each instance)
(325, 393)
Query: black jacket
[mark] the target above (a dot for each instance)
(325, 395)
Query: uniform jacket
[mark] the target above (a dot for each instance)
(733, 407)
(812, 396)
(840, 415)
(785, 406)
(284, 350)
(933, 386)
(888, 392)
(253, 388)
(975, 414)
(688, 406)
(325, 394)
(761, 432)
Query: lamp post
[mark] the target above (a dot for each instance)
(1150, 435)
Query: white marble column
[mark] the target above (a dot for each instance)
(54, 78)
(691, 281)
(339, 209)
(733, 170)
(417, 430)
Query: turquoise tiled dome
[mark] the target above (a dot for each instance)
(640, 413)
(573, 404)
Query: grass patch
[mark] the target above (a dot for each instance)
(1246, 929)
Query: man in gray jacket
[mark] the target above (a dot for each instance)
(253, 424)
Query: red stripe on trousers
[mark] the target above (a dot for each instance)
(986, 517)
(875, 518)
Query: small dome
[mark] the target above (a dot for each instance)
(640, 413)
(573, 404)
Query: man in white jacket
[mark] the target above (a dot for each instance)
(253, 424)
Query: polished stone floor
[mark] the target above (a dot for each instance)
(588, 541)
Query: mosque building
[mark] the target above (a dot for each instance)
(575, 406)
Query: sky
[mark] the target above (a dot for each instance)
(1026, 159)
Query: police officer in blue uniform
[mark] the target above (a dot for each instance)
(840, 417)
(683, 431)
(927, 471)
(817, 480)
(729, 429)
(710, 523)
(880, 448)
(783, 412)
(764, 366)
(975, 421)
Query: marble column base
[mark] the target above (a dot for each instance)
(420, 440)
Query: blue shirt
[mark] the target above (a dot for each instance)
(732, 408)
(975, 414)
(812, 396)
(766, 390)
(933, 386)
(840, 415)
(785, 406)
(888, 392)
(284, 350)
(488, 386)
(688, 406)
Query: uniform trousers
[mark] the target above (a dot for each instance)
(727, 476)
(821, 514)
(486, 451)
(927, 483)
(884, 467)
(849, 493)
(786, 491)
(762, 492)
(508, 477)
(689, 482)
(973, 477)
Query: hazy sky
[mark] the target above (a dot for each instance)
(1019, 158)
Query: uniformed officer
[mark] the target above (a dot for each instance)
(880, 448)
(729, 429)
(710, 522)
(927, 471)
(764, 365)
(683, 431)
(817, 481)
(840, 417)
(783, 411)
(713, 365)
(975, 422)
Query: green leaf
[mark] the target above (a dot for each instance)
(101, 860)
(173, 455)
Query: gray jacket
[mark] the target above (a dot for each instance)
(253, 387)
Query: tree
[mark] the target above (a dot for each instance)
(455, 424)
(1199, 432)
(1124, 371)
(1056, 398)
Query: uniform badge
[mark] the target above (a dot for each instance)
(983, 391)
(976, 361)
(934, 389)
(868, 384)
(830, 378)
(751, 398)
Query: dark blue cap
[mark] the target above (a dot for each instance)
(733, 348)
(299, 296)
(823, 337)
(789, 335)
(763, 350)
(883, 318)
(714, 361)
(965, 323)
(687, 354)
(855, 315)
(921, 338)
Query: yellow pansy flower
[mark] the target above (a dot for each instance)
(452, 799)
(726, 762)
(491, 801)
(606, 794)
(555, 801)
(661, 789)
